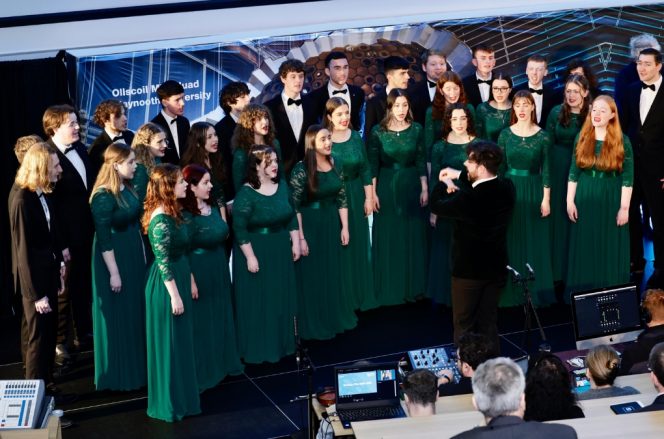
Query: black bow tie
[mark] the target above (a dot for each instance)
(173, 120)
(297, 102)
(538, 91)
(116, 138)
(483, 81)
(644, 86)
(431, 84)
(336, 92)
(69, 149)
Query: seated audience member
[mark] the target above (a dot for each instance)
(498, 392)
(549, 395)
(656, 366)
(635, 355)
(603, 364)
(420, 388)
(472, 350)
(23, 144)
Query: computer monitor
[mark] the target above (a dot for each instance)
(606, 316)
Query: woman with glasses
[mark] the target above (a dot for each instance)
(494, 115)
(563, 124)
(526, 147)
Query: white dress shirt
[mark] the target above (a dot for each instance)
(344, 96)
(485, 89)
(174, 131)
(539, 98)
(47, 213)
(75, 160)
(295, 115)
(647, 98)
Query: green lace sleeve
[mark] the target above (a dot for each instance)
(551, 123)
(342, 198)
(140, 181)
(373, 151)
(298, 185)
(502, 143)
(420, 152)
(102, 205)
(628, 164)
(479, 121)
(573, 169)
(159, 233)
(242, 210)
(365, 169)
(546, 162)
(239, 168)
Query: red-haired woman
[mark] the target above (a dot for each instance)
(172, 383)
(526, 148)
(598, 196)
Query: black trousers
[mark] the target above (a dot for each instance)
(38, 333)
(475, 307)
(649, 176)
(76, 302)
(637, 223)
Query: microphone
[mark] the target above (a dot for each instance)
(530, 270)
(513, 271)
(297, 342)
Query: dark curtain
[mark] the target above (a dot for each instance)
(29, 88)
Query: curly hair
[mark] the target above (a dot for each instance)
(142, 141)
(257, 155)
(564, 117)
(447, 120)
(475, 349)
(197, 154)
(243, 136)
(439, 102)
(612, 155)
(193, 174)
(549, 394)
(230, 93)
(105, 109)
(161, 193)
(653, 302)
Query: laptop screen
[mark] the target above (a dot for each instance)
(366, 383)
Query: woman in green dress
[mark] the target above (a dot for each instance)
(598, 197)
(458, 133)
(149, 145)
(350, 158)
(215, 343)
(494, 115)
(563, 124)
(449, 90)
(254, 127)
(118, 274)
(172, 383)
(267, 244)
(526, 147)
(401, 192)
(203, 149)
(325, 307)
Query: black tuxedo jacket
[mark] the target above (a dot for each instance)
(550, 98)
(172, 155)
(634, 358)
(472, 90)
(375, 112)
(72, 199)
(647, 138)
(320, 96)
(292, 150)
(513, 427)
(36, 254)
(225, 128)
(99, 145)
(657, 404)
(481, 216)
(419, 100)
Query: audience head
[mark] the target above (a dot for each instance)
(501, 87)
(484, 59)
(262, 165)
(234, 96)
(644, 41)
(23, 144)
(198, 187)
(656, 366)
(434, 63)
(39, 170)
(60, 123)
(498, 386)
(420, 388)
(549, 394)
(397, 108)
(649, 65)
(396, 72)
(149, 142)
(171, 97)
(165, 188)
(473, 350)
(337, 68)
(291, 73)
(337, 114)
(653, 305)
(111, 114)
(254, 121)
(484, 159)
(523, 108)
(459, 119)
(603, 365)
(536, 69)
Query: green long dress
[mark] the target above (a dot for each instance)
(528, 235)
(172, 382)
(140, 181)
(439, 287)
(266, 301)
(489, 121)
(325, 307)
(399, 231)
(598, 248)
(239, 168)
(215, 343)
(350, 158)
(118, 318)
(433, 129)
(560, 158)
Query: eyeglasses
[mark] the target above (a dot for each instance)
(572, 92)
(500, 89)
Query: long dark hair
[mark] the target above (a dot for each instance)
(439, 103)
(549, 393)
(502, 76)
(193, 174)
(447, 119)
(310, 157)
(255, 157)
(391, 99)
(196, 152)
(565, 115)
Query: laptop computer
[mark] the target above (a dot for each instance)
(367, 392)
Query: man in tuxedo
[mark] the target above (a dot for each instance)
(641, 118)
(233, 97)
(111, 115)
(545, 96)
(628, 74)
(498, 393)
(396, 73)
(656, 366)
(71, 196)
(481, 204)
(171, 119)
(434, 64)
(291, 114)
(336, 68)
(477, 86)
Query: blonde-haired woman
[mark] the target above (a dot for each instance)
(603, 365)
(598, 197)
(118, 272)
(149, 145)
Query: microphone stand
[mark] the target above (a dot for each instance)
(529, 309)
(304, 365)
